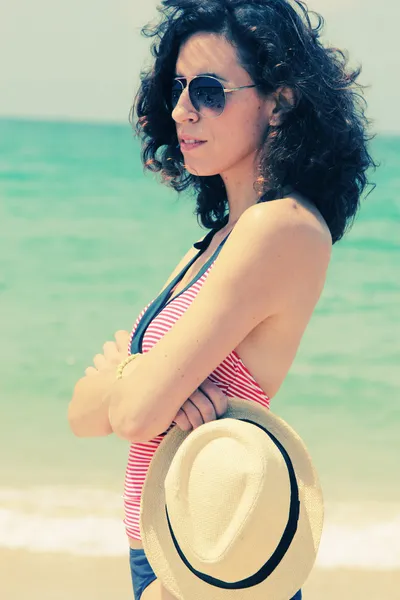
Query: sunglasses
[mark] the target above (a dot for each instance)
(206, 93)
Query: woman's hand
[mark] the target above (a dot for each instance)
(206, 404)
(113, 354)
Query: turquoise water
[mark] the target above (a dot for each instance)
(87, 240)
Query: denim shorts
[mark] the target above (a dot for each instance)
(142, 573)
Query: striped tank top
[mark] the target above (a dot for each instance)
(231, 376)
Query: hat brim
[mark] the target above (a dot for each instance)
(294, 568)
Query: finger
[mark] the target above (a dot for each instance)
(122, 338)
(193, 413)
(204, 405)
(217, 397)
(91, 371)
(182, 421)
(111, 352)
(99, 361)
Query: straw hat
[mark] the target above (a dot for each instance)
(233, 509)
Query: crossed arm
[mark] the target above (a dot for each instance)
(272, 256)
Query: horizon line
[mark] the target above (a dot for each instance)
(63, 120)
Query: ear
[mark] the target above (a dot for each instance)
(285, 101)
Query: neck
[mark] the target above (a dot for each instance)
(239, 185)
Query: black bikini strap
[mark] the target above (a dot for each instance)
(204, 243)
(163, 299)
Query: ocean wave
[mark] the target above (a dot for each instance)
(89, 522)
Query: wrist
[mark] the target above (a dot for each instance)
(126, 366)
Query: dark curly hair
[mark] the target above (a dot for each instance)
(320, 149)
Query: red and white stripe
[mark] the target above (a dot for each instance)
(231, 376)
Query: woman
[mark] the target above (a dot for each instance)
(278, 170)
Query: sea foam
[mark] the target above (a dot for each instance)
(89, 522)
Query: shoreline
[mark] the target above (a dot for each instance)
(45, 576)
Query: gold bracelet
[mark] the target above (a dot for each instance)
(122, 366)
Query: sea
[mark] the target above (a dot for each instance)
(87, 239)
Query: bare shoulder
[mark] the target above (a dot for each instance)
(294, 212)
(306, 210)
(291, 245)
(291, 224)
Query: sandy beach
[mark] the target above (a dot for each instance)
(65, 577)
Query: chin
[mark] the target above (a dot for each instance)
(201, 171)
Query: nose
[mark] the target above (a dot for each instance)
(184, 110)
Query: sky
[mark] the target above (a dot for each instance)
(81, 59)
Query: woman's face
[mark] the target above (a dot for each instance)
(237, 133)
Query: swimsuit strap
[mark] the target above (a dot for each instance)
(205, 242)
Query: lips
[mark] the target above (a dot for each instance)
(188, 138)
(185, 147)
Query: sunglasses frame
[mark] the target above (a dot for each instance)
(225, 90)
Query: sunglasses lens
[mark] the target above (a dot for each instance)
(207, 95)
